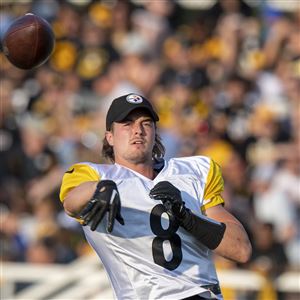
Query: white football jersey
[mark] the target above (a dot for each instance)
(151, 257)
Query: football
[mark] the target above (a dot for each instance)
(28, 42)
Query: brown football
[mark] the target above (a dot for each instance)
(28, 42)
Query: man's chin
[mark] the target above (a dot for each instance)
(142, 158)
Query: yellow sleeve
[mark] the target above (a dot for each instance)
(214, 186)
(76, 175)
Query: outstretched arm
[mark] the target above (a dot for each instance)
(78, 186)
(105, 199)
(77, 198)
(89, 198)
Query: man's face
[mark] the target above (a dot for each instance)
(133, 138)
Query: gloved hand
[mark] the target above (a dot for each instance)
(105, 199)
(170, 197)
(208, 231)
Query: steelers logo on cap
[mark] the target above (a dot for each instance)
(134, 99)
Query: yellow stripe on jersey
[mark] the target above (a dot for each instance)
(214, 186)
(76, 175)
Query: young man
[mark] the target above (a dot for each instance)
(170, 214)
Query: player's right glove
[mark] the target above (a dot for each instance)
(105, 199)
(209, 232)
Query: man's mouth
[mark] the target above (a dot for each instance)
(137, 142)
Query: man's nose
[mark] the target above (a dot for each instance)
(138, 128)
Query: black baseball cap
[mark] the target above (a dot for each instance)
(123, 105)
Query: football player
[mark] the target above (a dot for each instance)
(153, 223)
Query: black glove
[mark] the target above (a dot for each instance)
(105, 199)
(207, 231)
(170, 197)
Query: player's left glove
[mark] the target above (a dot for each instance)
(105, 199)
(209, 232)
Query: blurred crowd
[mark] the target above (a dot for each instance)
(225, 80)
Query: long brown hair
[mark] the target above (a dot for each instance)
(158, 150)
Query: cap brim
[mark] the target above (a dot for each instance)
(125, 113)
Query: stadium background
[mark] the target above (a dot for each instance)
(225, 78)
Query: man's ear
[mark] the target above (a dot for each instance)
(109, 137)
